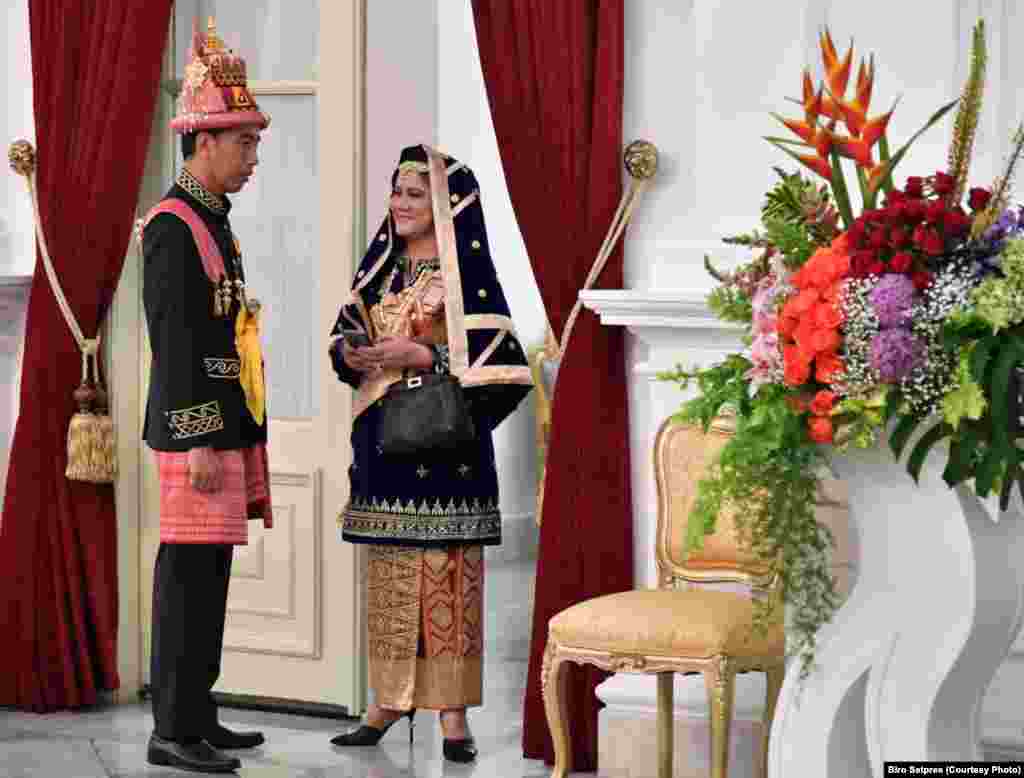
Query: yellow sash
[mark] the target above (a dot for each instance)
(250, 376)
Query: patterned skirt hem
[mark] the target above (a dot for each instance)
(348, 537)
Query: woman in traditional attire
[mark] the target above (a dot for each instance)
(428, 297)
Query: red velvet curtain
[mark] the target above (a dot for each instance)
(554, 75)
(95, 76)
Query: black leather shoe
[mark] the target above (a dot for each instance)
(222, 737)
(370, 736)
(199, 757)
(459, 750)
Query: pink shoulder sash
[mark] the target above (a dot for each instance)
(213, 261)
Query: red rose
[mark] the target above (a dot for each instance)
(956, 223)
(861, 261)
(820, 428)
(877, 239)
(876, 268)
(914, 187)
(934, 212)
(894, 197)
(894, 212)
(901, 262)
(921, 279)
(874, 216)
(942, 184)
(978, 198)
(914, 209)
(933, 244)
(822, 403)
(898, 237)
(920, 234)
(856, 234)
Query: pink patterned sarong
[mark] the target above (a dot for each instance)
(190, 516)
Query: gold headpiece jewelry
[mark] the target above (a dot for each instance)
(411, 166)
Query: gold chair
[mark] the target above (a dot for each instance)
(692, 623)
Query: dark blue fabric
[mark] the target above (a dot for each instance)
(442, 497)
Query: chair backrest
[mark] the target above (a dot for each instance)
(682, 454)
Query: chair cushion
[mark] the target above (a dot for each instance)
(688, 623)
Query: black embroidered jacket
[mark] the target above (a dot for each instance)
(195, 398)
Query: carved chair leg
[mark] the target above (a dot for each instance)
(775, 677)
(554, 689)
(665, 724)
(721, 683)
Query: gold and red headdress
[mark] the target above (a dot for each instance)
(214, 90)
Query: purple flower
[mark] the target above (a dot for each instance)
(894, 353)
(892, 298)
(1009, 223)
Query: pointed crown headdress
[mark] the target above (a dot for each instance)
(214, 90)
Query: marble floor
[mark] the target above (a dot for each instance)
(111, 742)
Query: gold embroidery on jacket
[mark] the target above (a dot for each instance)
(197, 420)
(218, 367)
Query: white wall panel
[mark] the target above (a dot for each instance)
(276, 220)
(17, 239)
(279, 40)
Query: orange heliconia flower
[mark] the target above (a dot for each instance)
(830, 101)
(837, 73)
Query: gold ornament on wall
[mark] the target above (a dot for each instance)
(641, 159)
(22, 158)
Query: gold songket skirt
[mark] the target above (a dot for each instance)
(425, 623)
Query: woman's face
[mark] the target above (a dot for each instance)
(411, 205)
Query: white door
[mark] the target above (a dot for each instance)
(294, 622)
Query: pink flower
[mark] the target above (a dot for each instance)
(766, 324)
(765, 350)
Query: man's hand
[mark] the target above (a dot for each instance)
(204, 470)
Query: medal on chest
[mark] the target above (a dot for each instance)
(229, 290)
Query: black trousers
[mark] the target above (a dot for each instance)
(190, 592)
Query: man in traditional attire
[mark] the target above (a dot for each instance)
(205, 416)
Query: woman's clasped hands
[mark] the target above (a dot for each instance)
(387, 353)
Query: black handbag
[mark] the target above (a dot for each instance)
(424, 413)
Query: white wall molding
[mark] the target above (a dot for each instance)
(14, 294)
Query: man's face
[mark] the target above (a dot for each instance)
(232, 156)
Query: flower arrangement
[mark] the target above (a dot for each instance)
(906, 316)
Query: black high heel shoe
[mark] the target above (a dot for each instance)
(370, 736)
(458, 749)
(463, 751)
